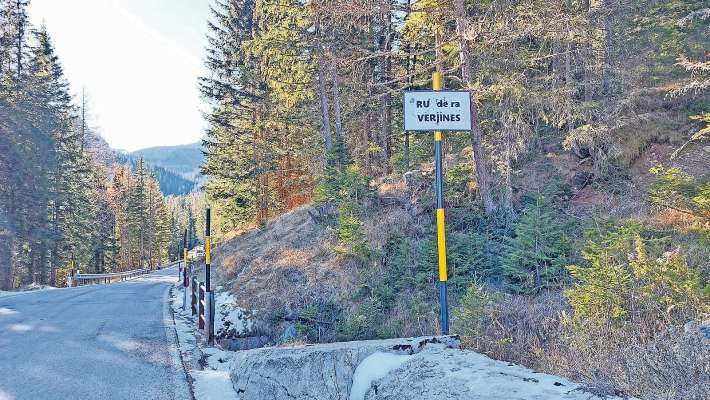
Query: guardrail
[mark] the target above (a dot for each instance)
(76, 279)
(202, 304)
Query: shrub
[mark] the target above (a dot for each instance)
(318, 321)
(680, 192)
(466, 256)
(476, 306)
(345, 187)
(457, 184)
(622, 282)
(365, 323)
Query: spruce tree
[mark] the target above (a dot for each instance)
(536, 255)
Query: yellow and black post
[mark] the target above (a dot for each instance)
(208, 253)
(184, 248)
(208, 261)
(185, 282)
(440, 223)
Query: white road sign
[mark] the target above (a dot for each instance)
(437, 110)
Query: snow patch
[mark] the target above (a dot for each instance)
(229, 317)
(33, 288)
(4, 311)
(21, 328)
(374, 367)
(213, 385)
(208, 366)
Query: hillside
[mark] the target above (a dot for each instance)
(184, 160)
(301, 283)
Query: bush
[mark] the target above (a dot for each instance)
(457, 184)
(318, 322)
(476, 306)
(680, 192)
(609, 360)
(367, 322)
(622, 282)
(345, 187)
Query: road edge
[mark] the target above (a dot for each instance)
(185, 382)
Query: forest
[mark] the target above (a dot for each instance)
(66, 200)
(578, 219)
(288, 80)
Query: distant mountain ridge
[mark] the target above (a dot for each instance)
(177, 168)
(184, 160)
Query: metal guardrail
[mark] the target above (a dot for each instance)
(202, 304)
(76, 279)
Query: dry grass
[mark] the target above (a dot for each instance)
(671, 219)
(283, 266)
(382, 223)
(532, 331)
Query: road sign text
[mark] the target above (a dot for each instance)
(437, 111)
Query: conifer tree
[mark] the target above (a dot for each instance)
(535, 257)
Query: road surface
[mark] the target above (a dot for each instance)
(92, 342)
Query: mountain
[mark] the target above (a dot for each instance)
(184, 160)
(172, 183)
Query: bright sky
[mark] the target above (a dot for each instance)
(138, 60)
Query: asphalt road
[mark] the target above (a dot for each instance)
(92, 342)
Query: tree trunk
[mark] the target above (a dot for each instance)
(6, 261)
(324, 106)
(411, 67)
(367, 137)
(323, 92)
(20, 37)
(336, 104)
(386, 133)
(590, 58)
(482, 173)
(386, 110)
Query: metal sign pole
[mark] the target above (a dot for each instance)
(208, 289)
(440, 223)
(438, 110)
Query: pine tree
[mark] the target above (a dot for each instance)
(536, 256)
(56, 207)
(14, 31)
(261, 134)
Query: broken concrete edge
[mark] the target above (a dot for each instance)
(408, 346)
(187, 340)
(300, 371)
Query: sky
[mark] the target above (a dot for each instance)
(138, 61)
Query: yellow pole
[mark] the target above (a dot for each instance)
(440, 222)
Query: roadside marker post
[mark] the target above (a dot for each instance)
(438, 111)
(179, 260)
(185, 282)
(208, 287)
(208, 255)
